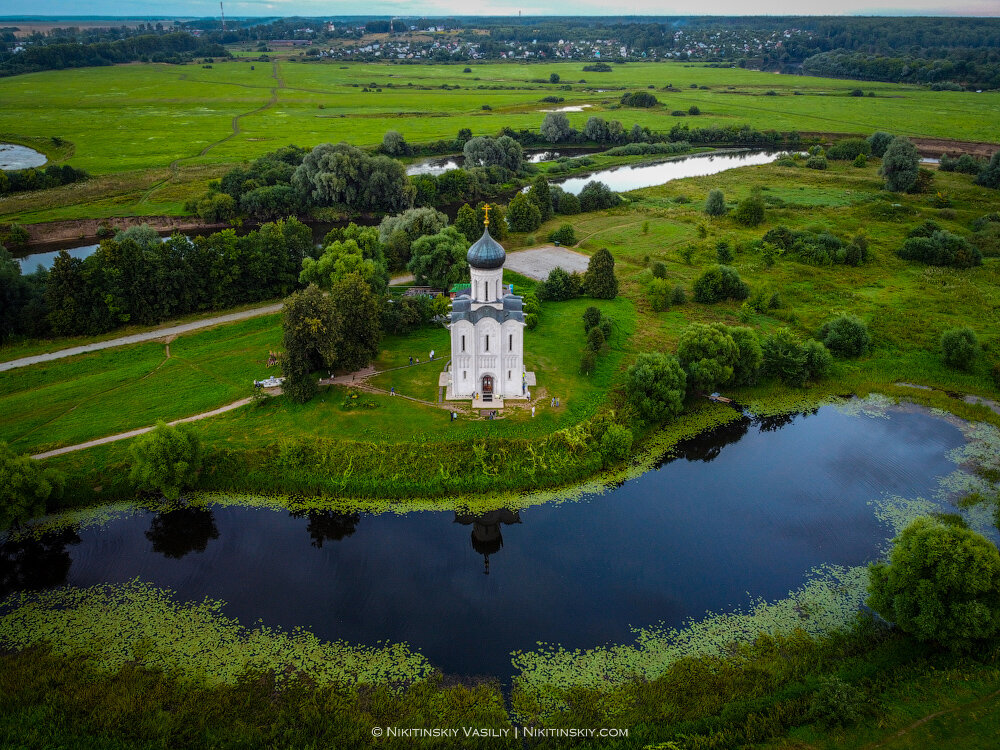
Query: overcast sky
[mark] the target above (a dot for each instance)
(201, 8)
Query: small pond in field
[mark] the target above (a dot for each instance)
(13, 156)
(745, 510)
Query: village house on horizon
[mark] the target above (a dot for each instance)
(487, 332)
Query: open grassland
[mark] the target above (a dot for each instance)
(130, 118)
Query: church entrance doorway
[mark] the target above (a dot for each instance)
(487, 387)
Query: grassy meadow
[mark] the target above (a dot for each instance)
(154, 134)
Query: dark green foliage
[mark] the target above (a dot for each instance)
(658, 294)
(818, 248)
(595, 339)
(879, 142)
(54, 175)
(750, 211)
(341, 174)
(838, 704)
(715, 204)
(655, 386)
(749, 357)
(845, 336)
(564, 235)
(693, 110)
(959, 348)
(791, 361)
(25, 486)
(719, 283)
(596, 195)
(942, 584)
(659, 269)
(708, 355)
(166, 460)
(990, 176)
(556, 128)
(360, 322)
(504, 153)
(616, 443)
(924, 181)
(569, 204)
(522, 214)
(540, 195)
(860, 161)
(600, 67)
(816, 162)
(394, 144)
(311, 334)
(724, 253)
(560, 285)
(900, 165)
(219, 207)
(468, 223)
(553, 78)
(638, 99)
(849, 149)
(439, 260)
(938, 247)
(591, 318)
(678, 296)
(600, 281)
(588, 361)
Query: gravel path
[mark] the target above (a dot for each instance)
(138, 338)
(140, 431)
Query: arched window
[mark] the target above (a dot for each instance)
(510, 344)
(487, 342)
(463, 343)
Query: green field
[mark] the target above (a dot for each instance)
(157, 133)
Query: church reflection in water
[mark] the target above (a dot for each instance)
(486, 537)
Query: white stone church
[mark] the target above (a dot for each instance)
(487, 333)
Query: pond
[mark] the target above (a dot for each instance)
(744, 510)
(441, 164)
(19, 157)
(622, 179)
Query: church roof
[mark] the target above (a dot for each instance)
(486, 252)
(461, 309)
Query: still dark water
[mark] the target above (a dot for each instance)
(751, 507)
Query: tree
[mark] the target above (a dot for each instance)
(591, 318)
(564, 235)
(596, 130)
(600, 281)
(342, 258)
(553, 78)
(311, 333)
(959, 348)
(522, 214)
(749, 358)
(360, 327)
(569, 204)
(655, 386)
(900, 165)
(616, 443)
(849, 149)
(723, 253)
(719, 283)
(942, 584)
(708, 355)
(596, 195)
(166, 460)
(503, 152)
(555, 127)
(845, 336)
(990, 175)
(540, 195)
(791, 361)
(750, 211)
(413, 224)
(468, 223)
(439, 260)
(560, 285)
(394, 144)
(879, 142)
(715, 205)
(25, 486)
(343, 174)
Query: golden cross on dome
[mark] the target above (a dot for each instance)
(486, 221)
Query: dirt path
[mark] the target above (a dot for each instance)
(138, 338)
(140, 431)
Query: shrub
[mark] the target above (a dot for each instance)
(659, 269)
(942, 584)
(724, 253)
(940, 248)
(564, 235)
(591, 318)
(959, 348)
(638, 99)
(595, 339)
(569, 204)
(879, 142)
(816, 162)
(837, 703)
(596, 195)
(845, 336)
(849, 149)
(166, 460)
(678, 296)
(559, 286)
(25, 486)
(861, 161)
(655, 386)
(818, 359)
(791, 361)
(750, 211)
(708, 354)
(616, 443)
(715, 204)
(900, 165)
(588, 362)
(693, 110)
(658, 294)
(990, 176)
(720, 283)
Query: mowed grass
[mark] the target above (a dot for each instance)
(70, 401)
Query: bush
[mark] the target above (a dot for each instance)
(715, 204)
(837, 703)
(861, 161)
(693, 110)
(655, 386)
(900, 165)
(638, 99)
(719, 283)
(849, 149)
(724, 253)
(940, 248)
(659, 269)
(990, 175)
(595, 339)
(817, 162)
(942, 584)
(845, 336)
(879, 142)
(596, 195)
(791, 361)
(708, 355)
(523, 215)
(25, 486)
(564, 235)
(658, 294)
(959, 348)
(588, 362)
(616, 443)
(560, 286)
(166, 460)
(591, 318)
(750, 211)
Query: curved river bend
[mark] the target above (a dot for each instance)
(749, 508)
